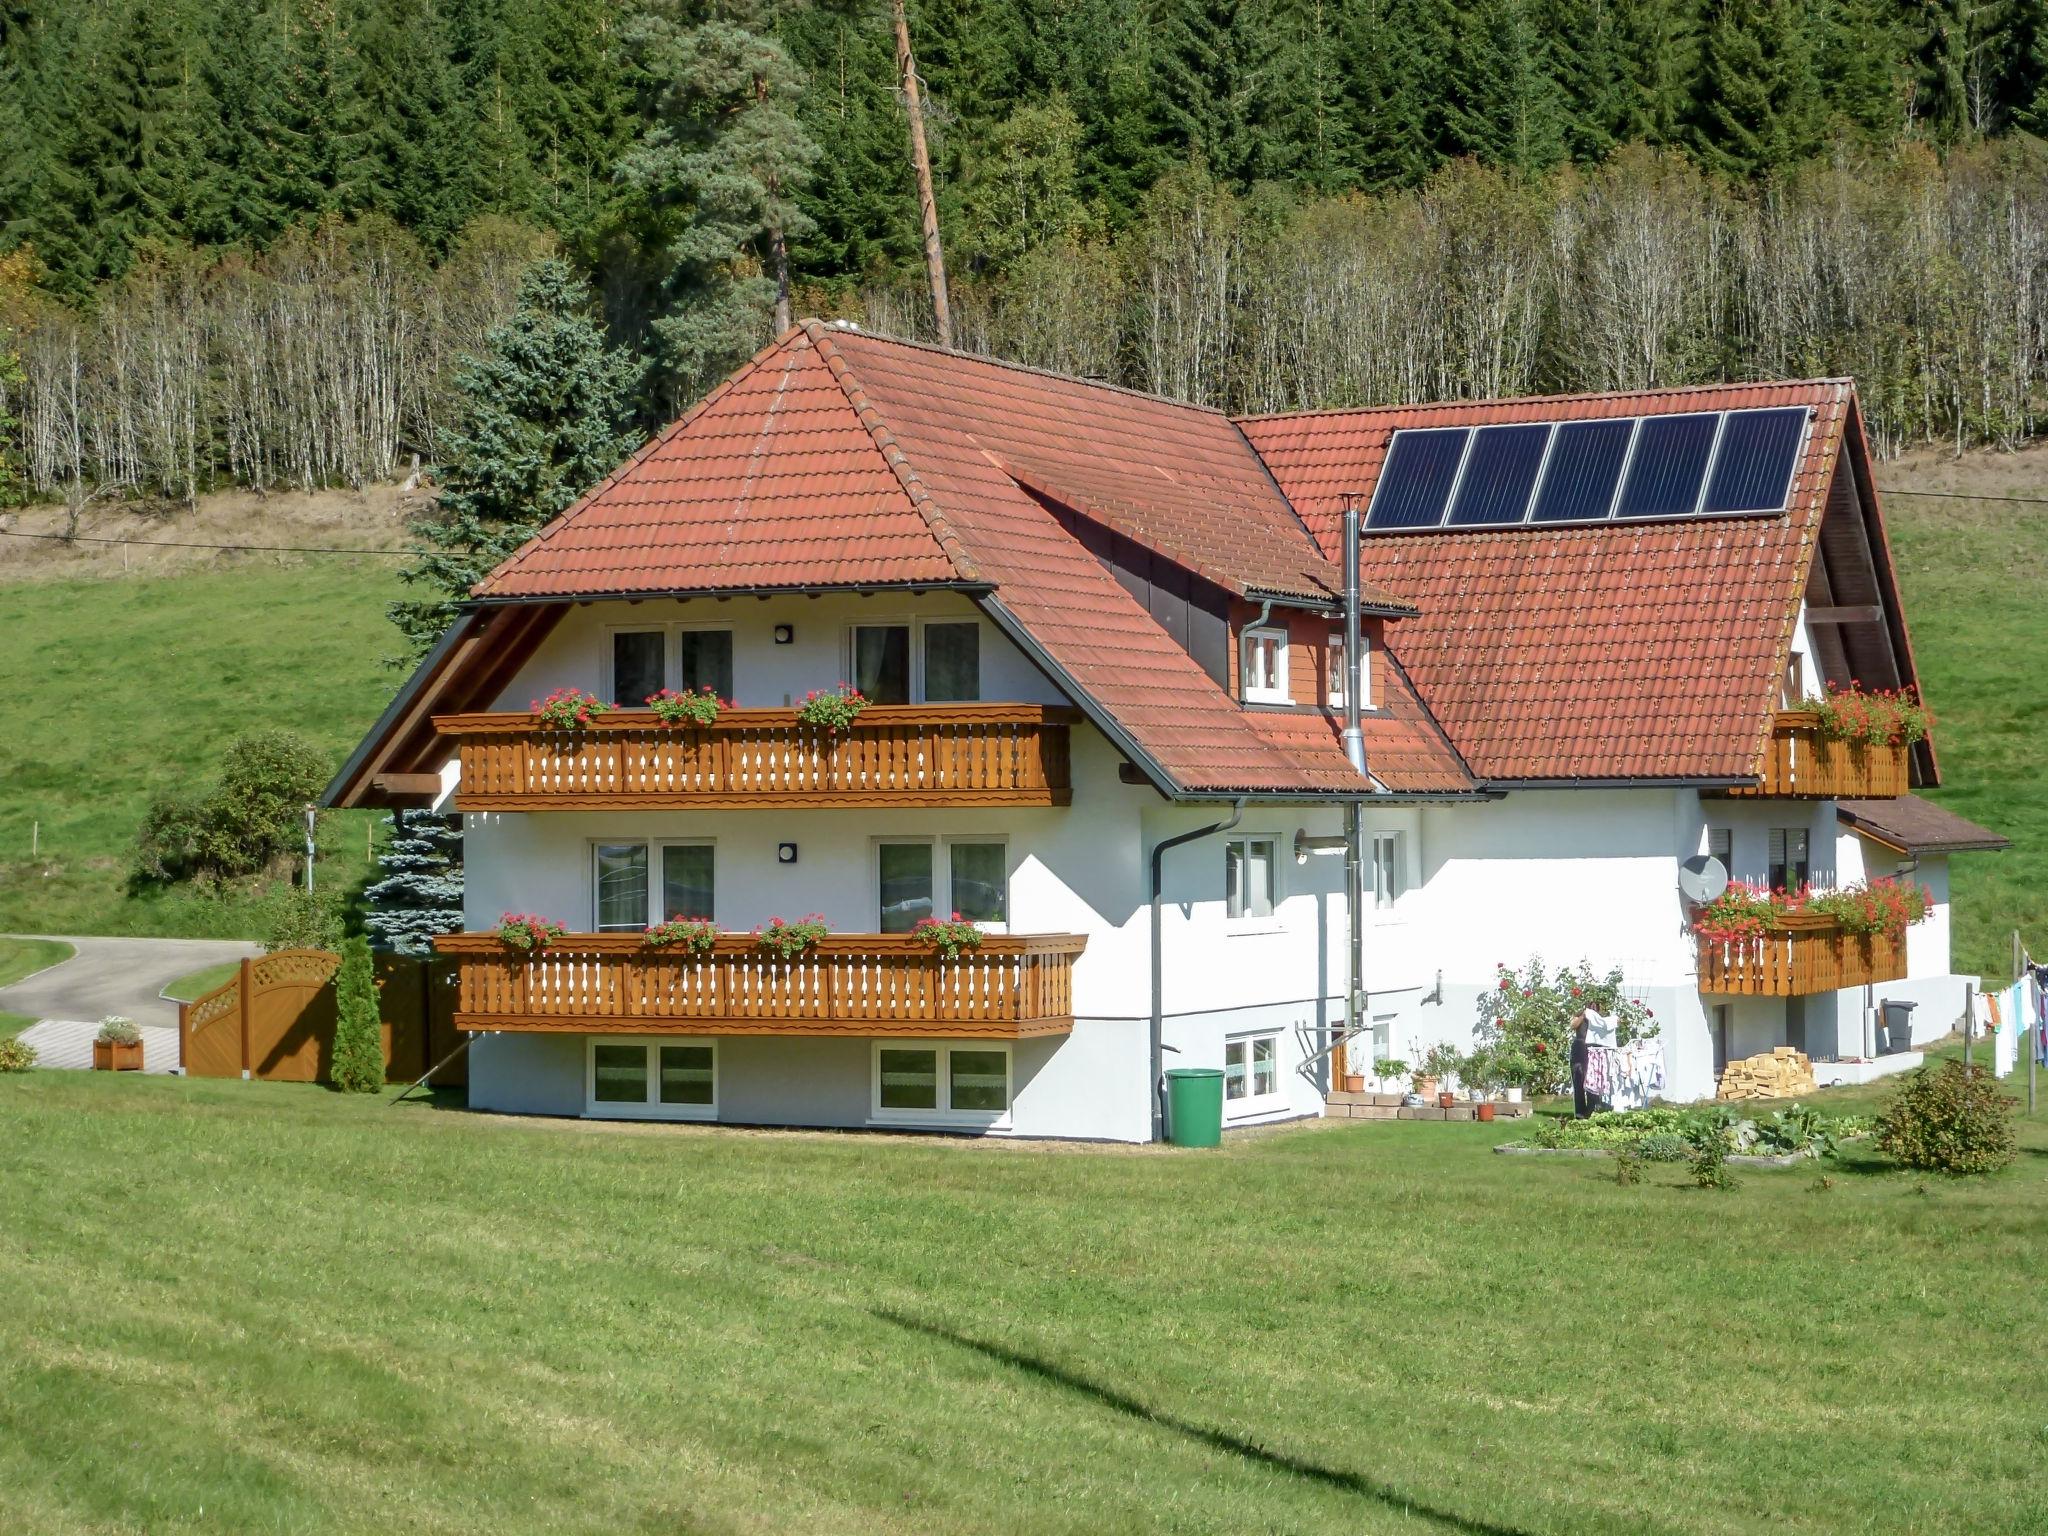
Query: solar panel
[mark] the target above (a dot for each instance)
(1500, 472)
(1415, 485)
(1694, 464)
(1585, 464)
(1667, 465)
(1753, 469)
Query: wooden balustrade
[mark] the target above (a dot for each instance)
(905, 755)
(1808, 954)
(866, 984)
(1801, 763)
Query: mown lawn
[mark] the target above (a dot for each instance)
(196, 984)
(20, 958)
(266, 1307)
(120, 687)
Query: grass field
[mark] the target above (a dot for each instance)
(196, 984)
(1980, 635)
(267, 1307)
(24, 957)
(119, 687)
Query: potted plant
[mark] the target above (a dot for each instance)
(568, 709)
(528, 931)
(695, 934)
(700, 707)
(1389, 1070)
(1439, 1067)
(1480, 1074)
(831, 710)
(946, 936)
(787, 939)
(118, 1045)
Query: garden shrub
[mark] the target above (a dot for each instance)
(1950, 1119)
(358, 1038)
(1710, 1140)
(16, 1055)
(250, 819)
(1525, 1020)
(296, 918)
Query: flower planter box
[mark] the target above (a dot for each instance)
(114, 1056)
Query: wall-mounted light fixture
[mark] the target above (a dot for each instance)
(785, 853)
(785, 634)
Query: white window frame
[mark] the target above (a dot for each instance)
(1268, 922)
(1334, 695)
(700, 626)
(945, 1114)
(1275, 690)
(650, 1108)
(654, 846)
(917, 624)
(942, 872)
(1388, 852)
(1252, 1104)
(671, 654)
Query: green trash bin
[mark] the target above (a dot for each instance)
(1194, 1106)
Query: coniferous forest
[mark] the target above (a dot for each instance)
(254, 239)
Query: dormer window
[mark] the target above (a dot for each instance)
(1262, 667)
(1333, 692)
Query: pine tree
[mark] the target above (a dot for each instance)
(358, 1065)
(1501, 103)
(1759, 101)
(1660, 45)
(420, 894)
(1593, 78)
(1395, 53)
(1201, 94)
(1860, 59)
(543, 417)
(239, 196)
(717, 171)
(1300, 130)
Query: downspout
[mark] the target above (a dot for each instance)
(1354, 811)
(1158, 1037)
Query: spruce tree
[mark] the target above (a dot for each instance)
(358, 1065)
(1501, 104)
(717, 171)
(1759, 100)
(420, 893)
(543, 416)
(1593, 77)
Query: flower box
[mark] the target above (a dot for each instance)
(117, 1055)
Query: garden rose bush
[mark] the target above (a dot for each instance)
(1885, 718)
(1525, 1020)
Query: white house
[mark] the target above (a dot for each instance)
(1102, 636)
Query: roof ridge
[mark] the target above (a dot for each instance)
(871, 418)
(1011, 365)
(1838, 381)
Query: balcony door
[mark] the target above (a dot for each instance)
(626, 896)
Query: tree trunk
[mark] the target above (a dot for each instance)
(920, 158)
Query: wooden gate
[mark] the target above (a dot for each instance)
(275, 1019)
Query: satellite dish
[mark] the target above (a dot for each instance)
(1701, 878)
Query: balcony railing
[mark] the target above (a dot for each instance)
(1800, 763)
(1010, 987)
(1808, 954)
(904, 755)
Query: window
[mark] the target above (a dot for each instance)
(952, 662)
(652, 1079)
(1389, 867)
(1795, 679)
(1248, 877)
(976, 874)
(1262, 667)
(980, 881)
(1251, 1068)
(704, 659)
(1383, 1037)
(881, 662)
(639, 665)
(624, 897)
(1334, 692)
(1721, 845)
(962, 1084)
(1790, 866)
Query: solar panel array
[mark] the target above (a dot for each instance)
(1616, 469)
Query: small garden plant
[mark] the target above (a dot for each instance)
(946, 936)
(1389, 1069)
(16, 1055)
(695, 934)
(116, 1030)
(698, 707)
(529, 931)
(568, 709)
(1526, 1020)
(1949, 1119)
(832, 709)
(790, 939)
(1885, 718)
(1665, 1133)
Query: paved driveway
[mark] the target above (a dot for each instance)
(117, 976)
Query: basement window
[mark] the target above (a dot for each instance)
(1251, 1072)
(651, 1079)
(1262, 667)
(966, 1084)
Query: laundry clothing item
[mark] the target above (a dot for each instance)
(1635, 1074)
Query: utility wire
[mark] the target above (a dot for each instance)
(254, 549)
(2032, 501)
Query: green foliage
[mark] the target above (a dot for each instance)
(1949, 1119)
(420, 892)
(1526, 1020)
(1666, 1133)
(16, 1055)
(116, 1030)
(251, 818)
(296, 918)
(542, 418)
(1710, 1140)
(358, 1037)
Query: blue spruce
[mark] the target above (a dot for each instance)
(420, 894)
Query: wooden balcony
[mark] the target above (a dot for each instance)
(1802, 764)
(863, 984)
(901, 755)
(1807, 955)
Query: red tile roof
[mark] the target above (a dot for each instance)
(1642, 651)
